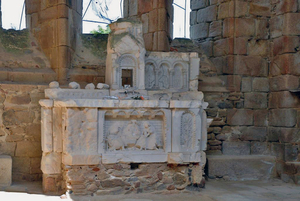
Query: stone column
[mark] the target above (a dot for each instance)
(157, 19)
(55, 25)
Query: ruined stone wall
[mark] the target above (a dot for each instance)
(132, 178)
(20, 129)
(157, 19)
(250, 77)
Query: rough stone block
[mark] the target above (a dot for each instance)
(148, 38)
(277, 150)
(247, 84)
(232, 82)
(242, 167)
(196, 4)
(260, 148)
(262, 28)
(51, 163)
(260, 84)
(21, 165)
(256, 100)
(193, 18)
(260, 9)
(228, 27)
(285, 64)
(162, 20)
(287, 135)
(153, 21)
(7, 148)
(253, 133)
(259, 48)
(215, 29)
(236, 148)
(207, 14)
(290, 152)
(276, 25)
(260, 117)
(240, 117)
(289, 28)
(283, 117)
(223, 47)
(284, 82)
(251, 66)
(34, 151)
(240, 45)
(207, 48)
(286, 6)
(283, 99)
(199, 31)
(285, 44)
(163, 41)
(5, 171)
(226, 10)
(144, 6)
(244, 27)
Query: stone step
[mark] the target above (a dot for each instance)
(241, 167)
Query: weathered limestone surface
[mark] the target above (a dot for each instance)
(5, 170)
(241, 167)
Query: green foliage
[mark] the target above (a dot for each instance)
(100, 30)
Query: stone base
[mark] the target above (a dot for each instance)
(5, 170)
(123, 178)
(243, 167)
(53, 184)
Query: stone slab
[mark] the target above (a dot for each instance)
(184, 158)
(112, 103)
(5, 170)
(244, 167)
(134, 157)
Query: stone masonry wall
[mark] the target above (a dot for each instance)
(251, 77)
(157, 19)
(132, 178)
(20, 129)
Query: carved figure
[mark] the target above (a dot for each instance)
(131, 133)
(147, 141)
(150, 76)
(114, 139)
(163, 77)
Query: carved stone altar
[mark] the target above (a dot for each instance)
(102, 139)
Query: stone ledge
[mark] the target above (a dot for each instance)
(243, 167)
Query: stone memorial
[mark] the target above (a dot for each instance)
(144, 130)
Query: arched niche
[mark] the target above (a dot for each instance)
(127, 70)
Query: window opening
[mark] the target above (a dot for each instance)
(127, 76)
(13, 14)
(97, 14)
(181, 23)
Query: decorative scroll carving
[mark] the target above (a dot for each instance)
(163, 77)
(187, 130)
(177, 77)
(150, 76)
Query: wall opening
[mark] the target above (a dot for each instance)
(13, 14)
(98, 14)
(181, 21)
(127, 77)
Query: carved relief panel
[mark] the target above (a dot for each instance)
(161, 75)
(186, 127)
(134, 135)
